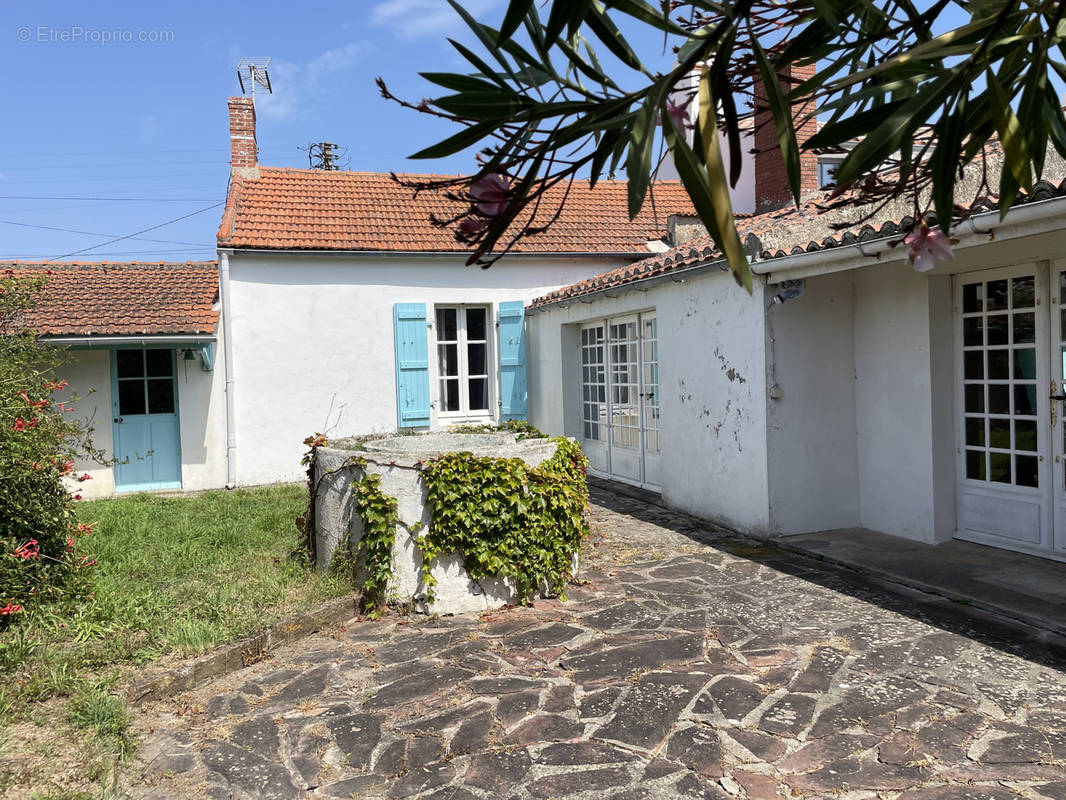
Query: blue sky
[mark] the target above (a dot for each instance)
(146, 121)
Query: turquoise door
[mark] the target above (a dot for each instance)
(145, 410)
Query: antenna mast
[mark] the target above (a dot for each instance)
(252, 71)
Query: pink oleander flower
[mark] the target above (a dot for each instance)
(927, 247)
(679, 113)
(472, 225)
(491, 194)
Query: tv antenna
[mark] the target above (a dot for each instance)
(326, 155)
(254, 71)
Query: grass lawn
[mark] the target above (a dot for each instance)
(175, 575)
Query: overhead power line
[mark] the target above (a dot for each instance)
(90, 233)
(113, 199)
(138, 233)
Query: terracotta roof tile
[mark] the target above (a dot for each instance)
(114, 299)
(779, 233)
(299, 209)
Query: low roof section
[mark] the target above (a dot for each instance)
(302, 209)
(94, 302)
(824, 221)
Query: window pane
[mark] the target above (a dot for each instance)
(997, 329)
(1026, 470)
(998, 399)
(130, 363)
(975, 398)
(479, 394)
(449, 359)
(997, 295)
(997, 364)
(450, 395)
(975, 464)
(161, 396)
(446, 325)
(975, 365)
(160, 363)
(999, 433)
(1025, 399)
(1025, 435)
(1025, 364)
(999, 467)
(476, 357)
(975, 431)
(1024, 328)
(973, 332)
(130, 397)
(973, 297)
(475, 324)
(1024, 292)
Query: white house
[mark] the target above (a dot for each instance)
(347, 311)
(145, 361)
(927, 406)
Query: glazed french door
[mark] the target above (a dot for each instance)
(620, 397)
(1011, 340)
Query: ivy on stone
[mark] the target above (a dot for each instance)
(507, 519)
(377, 510)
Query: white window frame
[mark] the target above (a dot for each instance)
(492, 371)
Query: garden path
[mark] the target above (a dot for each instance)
(690, 664)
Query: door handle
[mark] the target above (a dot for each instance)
(118, 420)
(1053, 395)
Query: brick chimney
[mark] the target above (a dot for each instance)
(771, 181)
(243, 150)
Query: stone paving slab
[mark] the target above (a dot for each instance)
(690, 664)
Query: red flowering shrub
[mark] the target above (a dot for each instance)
(38, 445)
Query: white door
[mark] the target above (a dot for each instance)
(620, 398)
(624, 400)
(1005, 426)
(649, 343)
(1058, 406)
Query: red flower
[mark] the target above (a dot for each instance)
(68, 467)
(19, 425)
(28, 550)
(10, 608)
(70, 543)
(85, 477)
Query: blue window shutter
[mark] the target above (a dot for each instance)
(512, 361)
(412, 365)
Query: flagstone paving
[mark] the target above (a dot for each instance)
(690, 665)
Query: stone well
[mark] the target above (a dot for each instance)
(395, 459)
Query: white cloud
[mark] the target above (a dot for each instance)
(410, 19)
(295, 84)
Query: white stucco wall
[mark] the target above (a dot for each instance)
(712, 389)
(201, 411)
(313, 340)
(811, 433)
(893, 401)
